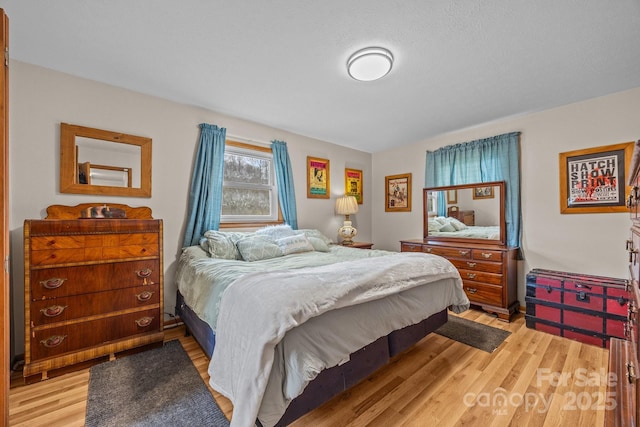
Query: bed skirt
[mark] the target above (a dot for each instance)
(337, 379)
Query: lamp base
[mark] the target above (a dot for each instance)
(347, 232)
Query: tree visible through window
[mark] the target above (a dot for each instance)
(249, 192)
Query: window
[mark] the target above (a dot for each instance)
(249, 190)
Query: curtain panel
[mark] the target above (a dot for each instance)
(284, 178)
(205, 196)
(484, 160)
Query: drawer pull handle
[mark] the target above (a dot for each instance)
(472, 290)
(54, 283)
(471, 275)
(631, 373)
(144, 321)
(549, 289)
(144, 296)
(429, 250)
(53, 341)
(486, 255)
(622, 301)
(464, 253)
(471, 264)
(53, 311)
(143, 273)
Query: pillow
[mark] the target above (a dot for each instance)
(440, 220)
(294, 244)
(433, 226)
(447, 227)
(222, 244)
(457, 224)
(255, 247)
(275, 232)
(316, 234)
(318, 244)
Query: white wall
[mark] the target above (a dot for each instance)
(586, 243)
(41, 99)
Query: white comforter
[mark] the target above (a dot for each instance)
(355, 300)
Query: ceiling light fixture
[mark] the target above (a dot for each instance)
(371, 63)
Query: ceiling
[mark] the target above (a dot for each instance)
(282, 63)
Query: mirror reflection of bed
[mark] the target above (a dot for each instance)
(476, 212)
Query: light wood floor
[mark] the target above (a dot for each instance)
(437, 382)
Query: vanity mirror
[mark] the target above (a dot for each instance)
(101, 162)
(465, 213)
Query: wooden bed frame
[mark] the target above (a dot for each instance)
(337, 379)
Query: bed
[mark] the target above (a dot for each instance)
(289, 325)
(452, 227)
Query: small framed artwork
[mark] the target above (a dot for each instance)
(398, 193)
(452, 197)
(353, 184)
(483, 192)
(594, 180)
(318, 181)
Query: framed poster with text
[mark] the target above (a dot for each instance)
(594, 180)
(318, 185)
(353, 184)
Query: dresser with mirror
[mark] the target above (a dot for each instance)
(479, 251)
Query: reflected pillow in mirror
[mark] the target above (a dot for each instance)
(447, 227)
(457, 224)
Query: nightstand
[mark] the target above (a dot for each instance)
(360, 245)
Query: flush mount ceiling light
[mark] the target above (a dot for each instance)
(371, 63)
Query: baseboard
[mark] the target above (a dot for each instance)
(175, 321)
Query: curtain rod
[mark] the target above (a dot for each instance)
(247, 140)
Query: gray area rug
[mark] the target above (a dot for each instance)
(475, 334)
(159, 387)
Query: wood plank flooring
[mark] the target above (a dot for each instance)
(532, 379)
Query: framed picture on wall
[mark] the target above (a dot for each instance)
(398, 193)
(318, 178)
(353, 184)
(594, 180)
(483, 192)
(452, 197)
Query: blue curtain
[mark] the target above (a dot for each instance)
(284, 177)
(484, 160)
(205, 197)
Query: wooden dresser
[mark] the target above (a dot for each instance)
(488, 272)
(93, 287)
(624, 367)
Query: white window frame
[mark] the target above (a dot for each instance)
(239, 148)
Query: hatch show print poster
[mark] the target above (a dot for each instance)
(595, 180)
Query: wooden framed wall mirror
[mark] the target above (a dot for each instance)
(102, 162)
(476, 215)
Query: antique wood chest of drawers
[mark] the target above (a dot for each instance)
(488, 272)
(586, 308)
(624, 354)
(93, 288)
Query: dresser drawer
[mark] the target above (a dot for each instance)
(489, 267)
(450, 252)
(411, 247)
(482, 293)
(57, 256)
(479, 276)
(487, 255)
(74, 307)
(65, 281)
(58, 340)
